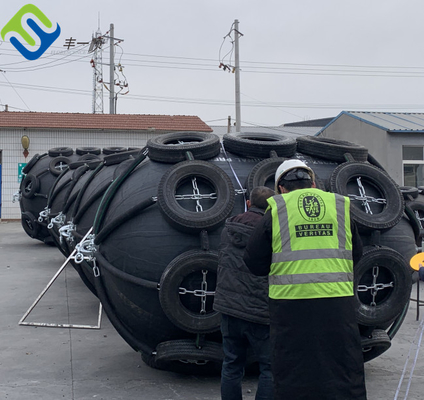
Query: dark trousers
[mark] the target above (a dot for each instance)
(237, 336)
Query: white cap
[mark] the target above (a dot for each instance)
(289, 165)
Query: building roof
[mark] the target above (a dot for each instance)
(285, 131)
(390, 122)
(47, 120)
(320, 122)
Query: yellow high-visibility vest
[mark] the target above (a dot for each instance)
(311, 245)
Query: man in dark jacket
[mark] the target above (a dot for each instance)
(307, 246)
(242, 298)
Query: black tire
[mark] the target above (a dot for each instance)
(378, 305)
(30, 225)
(88, 150)
(208, 177)
(117, 158)
(409, 192)
(192, 270)
(259, 144)
(30, 186)
(378, 186)
(58, 165)
(183, 356)
(374, 346)
(89, 157)
(60, 151)
(263, 173)
(32, 162)
(331, 149)
(114, 150)
(172, 147)
(418, 209)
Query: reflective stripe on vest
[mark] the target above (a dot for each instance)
(312, 245)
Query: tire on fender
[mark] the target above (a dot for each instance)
(172, 147)
(30, 186)
(60, 151)
(195, 213)
(418, 209)
(59, 164)
(113, 150)
(88, 150)
(374, 346)
(385, 206)
(29, 223)
(259, 144)
(331, 149)
(194, 270)
(382, 286)
(184, 356)
(263, 173)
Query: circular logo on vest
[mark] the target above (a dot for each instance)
(311, 207)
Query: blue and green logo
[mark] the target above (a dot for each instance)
(15, 25)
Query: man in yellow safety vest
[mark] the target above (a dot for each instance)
(307, 245)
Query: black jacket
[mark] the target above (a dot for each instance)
(239, 293)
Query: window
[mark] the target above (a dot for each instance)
(413, 165)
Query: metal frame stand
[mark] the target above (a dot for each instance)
(50, 325)
(419, 302)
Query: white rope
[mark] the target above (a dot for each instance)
(234, 173)
(419, 333)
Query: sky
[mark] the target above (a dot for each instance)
(299, 60)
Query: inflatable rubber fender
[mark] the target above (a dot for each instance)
(88, 150)
(375, 345)
(172, 147)
(29, 223)
(60, 151)
(184, 356)
(114, 150)
(187, 289)
(58, 164)
(196, 176)
(382, 285)
(384, 206)
(331, 149)
(259, 144)
(30, 186)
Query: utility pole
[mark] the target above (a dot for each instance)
(96, 62)
(237, 73)
(112, 71)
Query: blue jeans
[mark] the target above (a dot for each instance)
(237, 336)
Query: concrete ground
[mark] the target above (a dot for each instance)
(80, 364)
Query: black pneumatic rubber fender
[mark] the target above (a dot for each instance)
(374, 346)
(60, 151)
(216, 181)
(32, 162)
(186, 272)
(331, 149)
(381, 265)
(259, 144)
(172, 147)
(58, 164)
(377, 183)
(30, 186)
(418, 209)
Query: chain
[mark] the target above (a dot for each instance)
(364, 198)
(375, 287)
(420, 220)
(202, 292)
(85, 250)
(17, 196)
(44, 215)
(66, 232)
